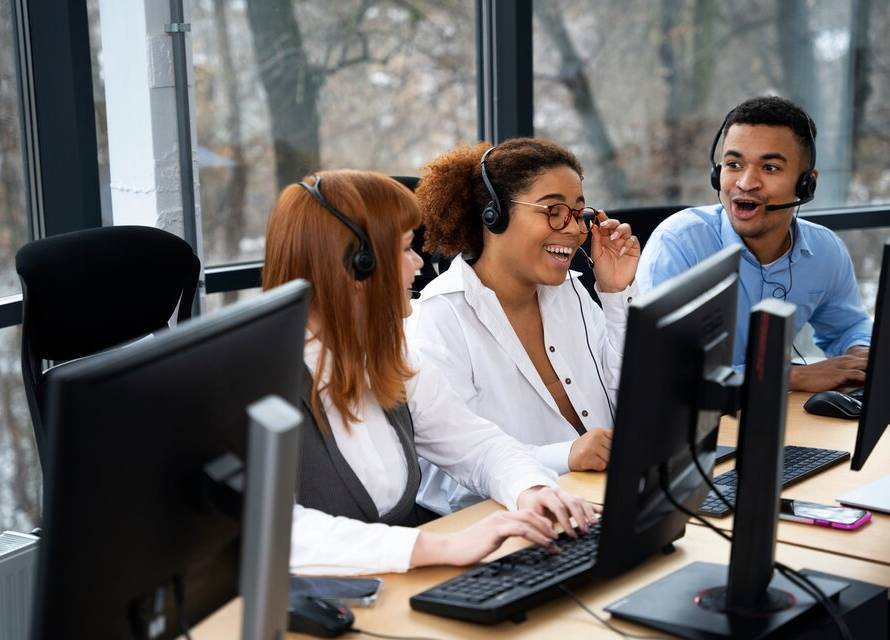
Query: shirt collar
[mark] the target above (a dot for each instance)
(460, 276)
(729, 237)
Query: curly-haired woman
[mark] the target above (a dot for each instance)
(519, 339)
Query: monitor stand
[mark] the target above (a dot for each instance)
(748, 599)
(679, 605)
(874, 496)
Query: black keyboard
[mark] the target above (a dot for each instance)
(510, 585)
(798, 463)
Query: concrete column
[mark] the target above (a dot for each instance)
(137, 62)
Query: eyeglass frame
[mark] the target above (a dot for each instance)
(577, 214)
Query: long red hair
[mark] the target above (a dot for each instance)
(360, 324)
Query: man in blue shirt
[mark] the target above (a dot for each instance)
(766, 171)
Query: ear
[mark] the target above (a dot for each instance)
(815, 173)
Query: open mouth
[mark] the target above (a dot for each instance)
(745, 208)
(561, 254)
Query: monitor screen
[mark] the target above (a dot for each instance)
(679, 336)
(875, 414)
(132, 540)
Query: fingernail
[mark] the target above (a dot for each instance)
(622, 252)
(613, 236)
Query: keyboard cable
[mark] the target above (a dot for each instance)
(602, 620)
(388, 637)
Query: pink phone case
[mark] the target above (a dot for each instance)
(828, 523)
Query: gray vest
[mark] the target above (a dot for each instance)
(329, 484)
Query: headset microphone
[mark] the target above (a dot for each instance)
(796, 203)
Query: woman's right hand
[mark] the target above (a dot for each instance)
(470, 545)
(590, 452)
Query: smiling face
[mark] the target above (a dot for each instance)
(761, 165)
(529, 249)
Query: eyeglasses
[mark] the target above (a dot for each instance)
(559, 215)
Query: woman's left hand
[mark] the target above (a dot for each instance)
(615, 252)
(560, 506)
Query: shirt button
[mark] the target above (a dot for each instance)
(584, 413)
(630, 299)
(568, 381)
(552, 349)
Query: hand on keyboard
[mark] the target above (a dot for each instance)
(559, 506)
(470, 545)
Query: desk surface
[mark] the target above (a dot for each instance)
(863, 554)
(558, 618)
(871, 542)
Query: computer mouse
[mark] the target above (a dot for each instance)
(833, 404)
(317, 617)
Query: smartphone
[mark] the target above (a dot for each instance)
(823, 515)
(355, 592)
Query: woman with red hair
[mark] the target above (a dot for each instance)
(371, 410)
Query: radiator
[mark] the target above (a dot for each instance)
(18, 565)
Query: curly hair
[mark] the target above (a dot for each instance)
(452, 194)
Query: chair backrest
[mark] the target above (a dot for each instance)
(433, 264)
(87, 291)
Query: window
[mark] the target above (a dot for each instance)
(19, 468)
(283, 88)
(13, 219)
(638, 89)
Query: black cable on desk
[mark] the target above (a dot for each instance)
(388, 637)
(794, 576)
(602, 620)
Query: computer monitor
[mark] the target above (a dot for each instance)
(132, 538)
(675, 374)
(746, 599)
(875, 414)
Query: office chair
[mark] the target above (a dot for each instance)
(433, 264)
(642, 220)
(88, 291)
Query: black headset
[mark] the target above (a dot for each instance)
(804, 190)
(360, 262)
(494, 218)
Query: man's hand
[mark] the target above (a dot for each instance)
(590, 452)
(847, 370)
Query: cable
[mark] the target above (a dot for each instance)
(662, 481)
(602, 620)
(590, 350)
(802, 581)
(179, 599)
(383, 635)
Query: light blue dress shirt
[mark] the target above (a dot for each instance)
(817, 275)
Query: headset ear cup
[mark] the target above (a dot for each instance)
(363, 263)
(715, 176)
(806, 186)
(490, 216)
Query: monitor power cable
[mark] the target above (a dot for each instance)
(179, 599)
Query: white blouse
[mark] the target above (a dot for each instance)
(447, 433)
(459, 325)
